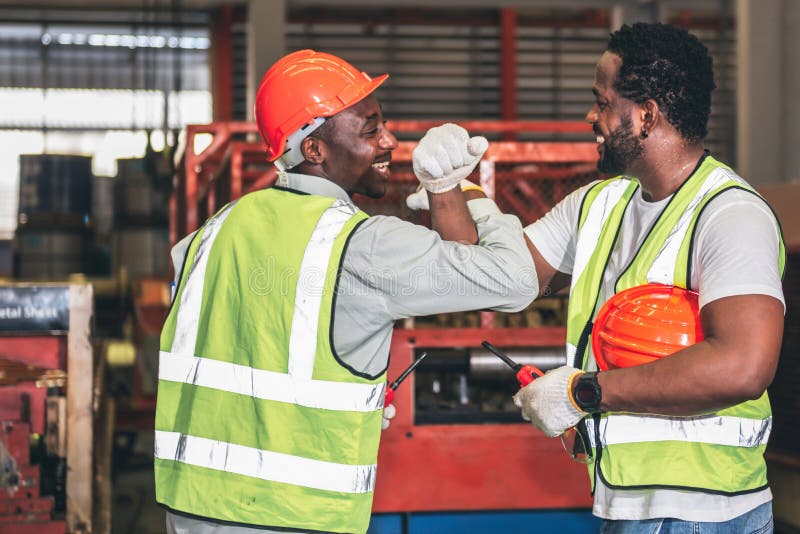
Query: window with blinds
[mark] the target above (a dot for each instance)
(95, 83)
(446, 65)
(555, 71)
(437, 71)
(53, 59)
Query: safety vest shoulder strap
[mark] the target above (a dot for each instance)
(655, 260)
(607, 190)
(601, 214)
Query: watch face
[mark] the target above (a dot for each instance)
(587, 393)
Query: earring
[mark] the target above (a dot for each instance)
(643, 134)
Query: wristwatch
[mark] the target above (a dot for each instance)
(587, 393)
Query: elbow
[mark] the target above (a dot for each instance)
(519, 302)
(752, 385)
(742, 370)
(755, 388)
(750, 394)
(760, 374)
(512, 301)
(515, 296)
(525, 287)
(515, 281)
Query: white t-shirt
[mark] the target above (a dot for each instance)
(735, 253)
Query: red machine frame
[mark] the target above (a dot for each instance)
(469, 467)
(433, 467)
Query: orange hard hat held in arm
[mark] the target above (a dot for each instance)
(298, 92)
(644, 323)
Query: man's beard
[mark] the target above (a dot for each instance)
(620, 149)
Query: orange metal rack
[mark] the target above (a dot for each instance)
(233, 164)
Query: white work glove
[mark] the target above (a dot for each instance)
(418, 200)
(445, 156)
(388, 414)
(547, 401)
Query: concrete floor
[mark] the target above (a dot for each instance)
(134, 509)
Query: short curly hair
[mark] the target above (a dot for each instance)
(672, 67)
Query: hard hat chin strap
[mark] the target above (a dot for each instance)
(293, 156)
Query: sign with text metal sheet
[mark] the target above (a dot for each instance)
(34, 309)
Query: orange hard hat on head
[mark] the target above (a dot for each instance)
(644, 323)
(299, 89)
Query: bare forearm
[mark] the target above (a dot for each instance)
(736, 362)
(551, 281)
(692, 382)
(450, 217)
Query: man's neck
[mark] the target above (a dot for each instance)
(662, 175)
(312, 184)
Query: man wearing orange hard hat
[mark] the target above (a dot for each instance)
(272, 370)
(678, 420)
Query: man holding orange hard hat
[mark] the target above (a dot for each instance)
(675, 444)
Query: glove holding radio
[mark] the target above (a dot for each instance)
(559, 399)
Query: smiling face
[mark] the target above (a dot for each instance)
(612, 119)
(358, 149)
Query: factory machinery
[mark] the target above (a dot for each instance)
(458, 456)
(49, 469)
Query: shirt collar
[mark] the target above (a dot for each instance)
(313, 185)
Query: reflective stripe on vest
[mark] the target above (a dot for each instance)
(192, 294)
(310, 288)
(266, 465)
(296, 387)
(599, 211)
(610, 201)
(269, 385)
(712, 429)
(663, 269)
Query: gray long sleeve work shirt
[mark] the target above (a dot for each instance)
(393, 269)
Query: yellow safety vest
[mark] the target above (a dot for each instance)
(721, 452)
(257, 421)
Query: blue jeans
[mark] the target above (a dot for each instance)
(756, 521)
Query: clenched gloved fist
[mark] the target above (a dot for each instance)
(418, 200)
(547, 401)
(445, 156)
(388, 414)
